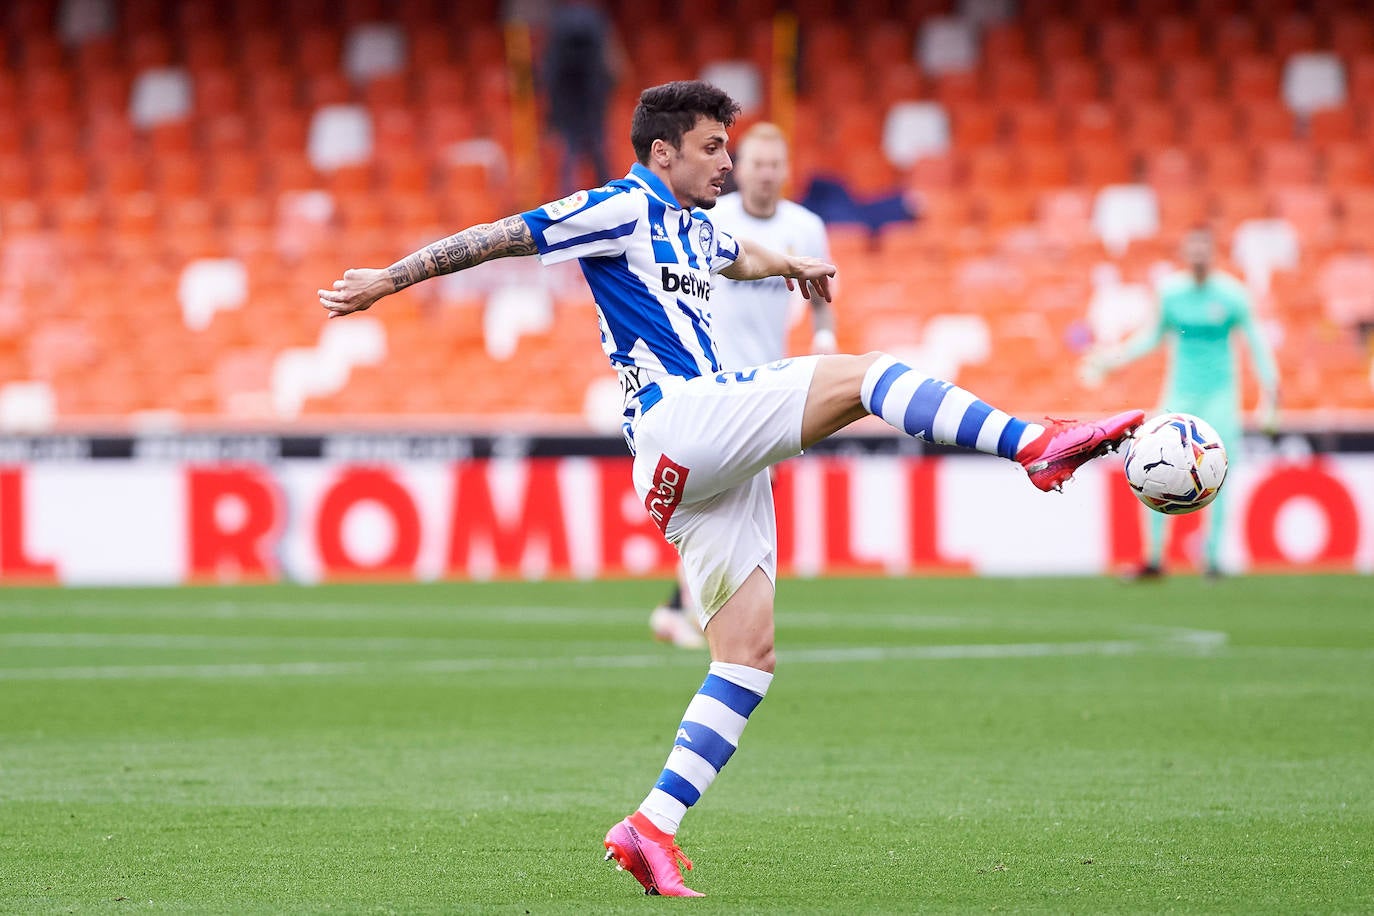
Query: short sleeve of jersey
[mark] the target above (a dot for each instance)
(587, 224)
(727, 249)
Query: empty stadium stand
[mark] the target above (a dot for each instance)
(178, 177)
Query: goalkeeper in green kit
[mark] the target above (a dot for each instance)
(1199, 309)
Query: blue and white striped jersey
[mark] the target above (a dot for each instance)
(649, 263)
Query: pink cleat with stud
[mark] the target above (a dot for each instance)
(651, 855)
(1066, 445)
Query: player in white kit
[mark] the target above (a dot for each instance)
(703, 437)
(750, 318)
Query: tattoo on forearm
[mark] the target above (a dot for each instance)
(404, 273)
(509, 237)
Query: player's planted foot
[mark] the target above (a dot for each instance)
(1066, 445)
(672, 624)
(1144, 573)
(651, 855)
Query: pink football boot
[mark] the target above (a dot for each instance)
(646, 852)
(1068, 444)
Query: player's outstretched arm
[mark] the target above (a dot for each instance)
(756, 262)
(361, 287)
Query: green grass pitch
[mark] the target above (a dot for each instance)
(942, 745)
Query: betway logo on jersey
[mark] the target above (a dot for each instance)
(689, 284)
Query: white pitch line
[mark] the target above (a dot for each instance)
(190, 641)
(839, 655)
(1201, 639)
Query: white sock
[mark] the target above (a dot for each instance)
(708, 735)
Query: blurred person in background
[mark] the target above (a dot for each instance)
(1200, 309)
(580, 66)
(704, 438)
(750, 318)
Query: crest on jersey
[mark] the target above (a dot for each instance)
(568, 205)
(708, 237)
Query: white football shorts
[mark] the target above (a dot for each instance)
(702, 454)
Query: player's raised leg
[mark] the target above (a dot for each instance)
(845, 388)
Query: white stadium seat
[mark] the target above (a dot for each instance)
(1123, 213)
(1313, 81)
(374, 49)
(160, 95)
(913, 130)
(947, 44)
(340, 135)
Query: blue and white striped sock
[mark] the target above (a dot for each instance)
(708, 735)
(936, 411)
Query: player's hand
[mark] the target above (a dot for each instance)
(812, 274)
(359, 288)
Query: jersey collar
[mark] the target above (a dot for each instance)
(644, 176)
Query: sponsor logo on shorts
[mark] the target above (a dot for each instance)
(665, 493)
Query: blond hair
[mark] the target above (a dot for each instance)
(764, 130)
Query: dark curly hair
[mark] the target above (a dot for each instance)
(668, 111)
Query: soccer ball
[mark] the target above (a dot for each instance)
(1176, 463)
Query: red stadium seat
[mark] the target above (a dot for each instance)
(1293, 33)
(956, 88)
(973, 126)
(1043, 166)
(1209, 123)
(1092, 123)
(1149, 125)
(1227, 166)
(1310, 210)
(1176, 38)
(1332, 125)
(1074, 81)
(1171, 169)
(1005, 40)
(1032, 123)
(1252, 77)
(1267, 121)
(121, 175)
(1192, 79)
(1011, 81)
(1282, 164)
(16, 179)
(1350, 33)
(1131, 80)
(1119, 40)
(992, 168)
(1061, 39)
(1099, 164)
(1347, 165)
(931, 172)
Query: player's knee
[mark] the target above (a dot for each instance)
(761, 657)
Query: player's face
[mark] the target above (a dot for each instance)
(1197, 250)
(697, 168)
(761, 171)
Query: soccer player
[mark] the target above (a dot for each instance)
(749, 317)
(1199, 310)
(703, 438)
